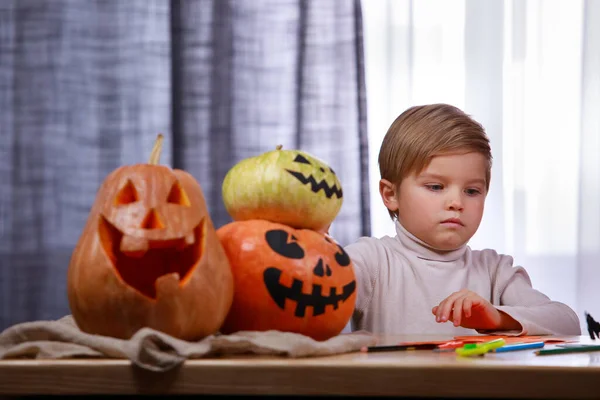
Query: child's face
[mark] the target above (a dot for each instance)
(443, 204)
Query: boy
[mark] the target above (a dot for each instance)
(435, 165)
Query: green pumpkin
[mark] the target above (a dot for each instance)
(289, 187)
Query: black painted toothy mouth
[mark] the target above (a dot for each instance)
(315, 186)
(140, 262)
(316, 299)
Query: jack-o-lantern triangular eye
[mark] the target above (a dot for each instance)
(127, 194)
(301, 159)
(177, 196)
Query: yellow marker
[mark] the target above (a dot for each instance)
(477, 349)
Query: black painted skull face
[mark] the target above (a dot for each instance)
(315, 175)
(311, 272)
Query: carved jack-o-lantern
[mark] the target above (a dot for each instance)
(290, 187)
(149, 256)
(286, 279)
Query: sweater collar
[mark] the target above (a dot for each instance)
(424, 251)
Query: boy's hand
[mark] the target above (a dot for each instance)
(470, 310)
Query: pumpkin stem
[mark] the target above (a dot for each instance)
(278, 147)
(155, 154)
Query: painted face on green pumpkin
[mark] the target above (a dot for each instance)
(289, 187)
(317, 176)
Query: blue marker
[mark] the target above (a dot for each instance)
(519, 346)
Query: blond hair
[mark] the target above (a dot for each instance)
(422, 132)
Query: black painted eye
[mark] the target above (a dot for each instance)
(332, 171)
(301, 159)
(278, 241)
(342, 258)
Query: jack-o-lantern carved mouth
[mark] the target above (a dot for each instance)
(140, 261)
(315, 186)
(316, 299)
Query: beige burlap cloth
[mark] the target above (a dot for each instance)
(153, 350)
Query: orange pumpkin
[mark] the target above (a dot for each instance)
(149, 256)
(293, 280)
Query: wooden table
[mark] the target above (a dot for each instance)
(418, 373)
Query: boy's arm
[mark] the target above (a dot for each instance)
(365, 263)
(533, 310)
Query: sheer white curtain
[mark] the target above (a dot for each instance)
(529, 70)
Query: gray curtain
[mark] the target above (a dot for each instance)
(85, 86)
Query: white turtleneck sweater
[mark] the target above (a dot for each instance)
(400, 279)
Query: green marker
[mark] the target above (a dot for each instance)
(571, 349)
